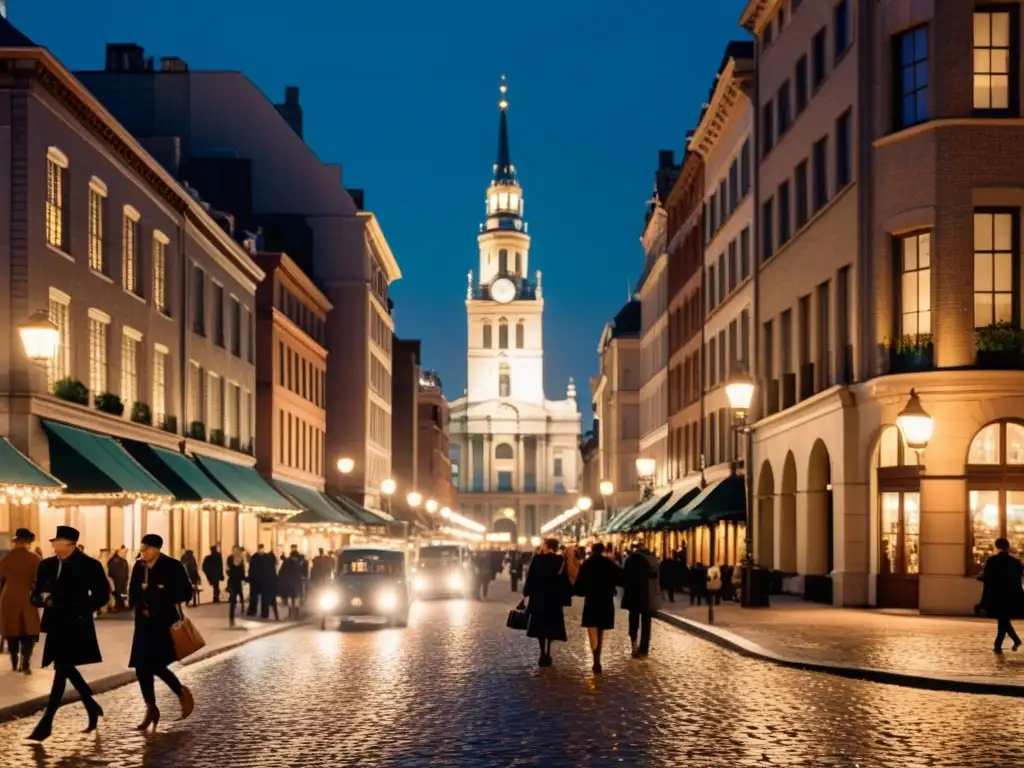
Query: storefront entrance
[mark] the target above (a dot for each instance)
(898, 511)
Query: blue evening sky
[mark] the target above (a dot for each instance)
(404, 96)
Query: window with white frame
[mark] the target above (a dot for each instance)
(56, 198)
(195, 393)
(995, 68)
(215, 403)
(995, 253)
(130, 251)
(160, 353)
(97, 219)
(98, 323)
(130, 340)
(160, 242)
(915, 257)
(60, 315)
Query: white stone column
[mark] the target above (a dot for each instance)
(851, 538)
(520, 482)
(466, 475)
(488, 461)
(812, 533)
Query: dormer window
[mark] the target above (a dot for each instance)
(513, 201)
(503, 200)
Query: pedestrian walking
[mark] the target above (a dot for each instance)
(323, 568)
(549, 589)
(290, 579)
(236, 577)
(640, 597)
(482, 574)
(515, 570)
(158, 587)
(191, 565)
(596, 583)
(268, 586)
(19, 619)
(213, 570)
(256, 571)
(118, 571)
(70, 587)
(1002, 596)
(667, 578)
(699, 584)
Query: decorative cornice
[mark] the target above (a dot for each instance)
(755, 14)
(727, 97)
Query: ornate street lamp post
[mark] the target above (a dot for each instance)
(740, 392)
(387, 490)
(645, 468)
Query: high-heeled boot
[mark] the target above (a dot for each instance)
(95, 712)
(43, 728)
(152, 718)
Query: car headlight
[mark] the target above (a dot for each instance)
(419, 583)
(329, 601)
(455, 582)
(387, 600)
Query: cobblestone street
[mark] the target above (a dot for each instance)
(457, 688)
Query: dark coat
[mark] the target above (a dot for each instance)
(77, 588)
(236, 575)
(323, 568)
(1002, 596)
(18, 617)
(156, 599)
(188, 560)
(546, 586)
(596, 583)
(291, 576)
(640, 579)
(213, 567)
(117, 569)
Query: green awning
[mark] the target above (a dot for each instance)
(176, 471)
(362, 514)
(317, 508)
(656, 520)
(650, 506)
(16, 469)
(90, 464)
(245, 485)
(726, 499)
(610, 526)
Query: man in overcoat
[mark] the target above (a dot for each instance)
(70, 588)
(641, 597)
(19, 619)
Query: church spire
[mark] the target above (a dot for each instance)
(504, 171)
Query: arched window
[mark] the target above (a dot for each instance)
(995, 490)
(504, 381)
(487, 340)
(520, 335)
(503, 334)
(502, 262)
(504, 451)
(519, 263)
(899, 521)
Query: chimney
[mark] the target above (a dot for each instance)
(125, 57)
(357, 196)
(173, 64)
(291, 110)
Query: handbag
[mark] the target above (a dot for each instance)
(185, 636)
(518, 618)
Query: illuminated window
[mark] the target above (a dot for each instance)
(492, 204)
(995, 251)
(215, 403)
(160, 272)
(915, 254)
(159, 384)
(503, 200)
(60, 315)
(513, 201)
(995, 485)
(97, 219)
(130, 251)
(98, 322)
(994, 68)
(130, 339)
(56, 199)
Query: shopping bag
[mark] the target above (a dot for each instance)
(185, 636)
(518, 618)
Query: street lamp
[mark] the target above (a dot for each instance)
(645, 468)
(916, 424)
(40, 337)
(607, 488)
(414, 499)
(446, 513)
(387, 488)
(431, 506)
(584, 503)
(535, 541)
(346, 465)
(740, 391)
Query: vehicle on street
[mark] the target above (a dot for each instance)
(371, 585)
(443, 569)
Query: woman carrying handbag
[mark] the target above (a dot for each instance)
(549, 589)
(159, 586)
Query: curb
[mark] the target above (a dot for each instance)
(110, 682)
(737, 644)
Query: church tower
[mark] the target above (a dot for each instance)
(504, 308)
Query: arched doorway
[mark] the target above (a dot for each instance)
(507, 525)
(764, 529)
(897, 505)
(995, 490)
(785, 519)
(818, 532)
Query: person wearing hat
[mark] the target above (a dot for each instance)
(70, 587)
(158, 587)
(19, 619)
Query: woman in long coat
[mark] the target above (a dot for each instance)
(596, 583)
(289, 581)
(19, 619)
(236, 577)
(158, 587)
(549, 590)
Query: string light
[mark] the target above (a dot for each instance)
(27, 494)
(563, 518)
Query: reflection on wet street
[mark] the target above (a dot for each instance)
(456, 688)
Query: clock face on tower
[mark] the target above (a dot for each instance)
(503, 290)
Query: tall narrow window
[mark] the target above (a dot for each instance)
(236, 327)
(818, 59)
(504, 381)
(734, 185)
(215, 403)
(97, 219)
(767, 129)
(130, 339)
(996, 252)
(503, 334)
(784, 220)
(502, 262)
(841, 28)
(820, 173)
(98, 323)
(130, 251)
(745, 253)
(801, 84)
(519, 263)
(825, 335)
(784, 114)
(198, 300)
(745, 168)
(218, 314)
(520, 335)
(915, 255)
(160, 272)
(995, 59)
(487, 341)
(60, 315)
(767, 235)
(195, 394)
(56, 199)
(160, 353)
(734, 272)
(910, 77)
(800, 194)
(844, 151)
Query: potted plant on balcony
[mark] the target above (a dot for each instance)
(141, 413)
(217, 436)
(235, 443)
(72, 390)
(197, 431)
(110, 403)
(170, 423)
(908, 353)
(1000, 345)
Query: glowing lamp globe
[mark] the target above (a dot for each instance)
(446, 513)
(740, 392)
(414, 499)
(345, 466)
(607, 488)
(431, 506)
(40, 337)
(583, 503)
(388, 486)
(645, 467)
(916, 423)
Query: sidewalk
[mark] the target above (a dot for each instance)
(896, 647)
(22, 695)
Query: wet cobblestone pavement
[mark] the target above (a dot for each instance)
(456, 688)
